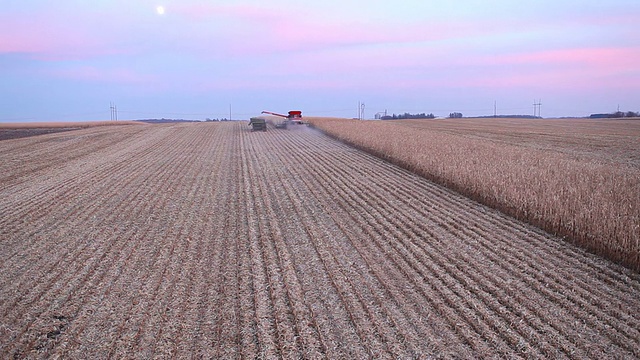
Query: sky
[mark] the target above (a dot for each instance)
(69, 60)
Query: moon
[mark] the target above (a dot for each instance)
(160, 10)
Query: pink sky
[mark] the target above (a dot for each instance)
(199, 56)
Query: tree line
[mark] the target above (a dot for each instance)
(408, 116)
(615, 115)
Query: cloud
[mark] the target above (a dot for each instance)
(52, 38)
(241, 29)
(422, 67)
(203, 46)
(621, 58)
(260, 30)
(104, 75)
(571, 67)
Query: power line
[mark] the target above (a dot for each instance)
(360, 110)
(114, 111)
(537, 106)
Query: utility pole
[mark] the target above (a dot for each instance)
(229, 111)
(360, 111)
(114, 111)
(495, 108)
(537, 107)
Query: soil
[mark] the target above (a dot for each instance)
(208, 240)
(6, 134)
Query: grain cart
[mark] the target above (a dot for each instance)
(258, 124)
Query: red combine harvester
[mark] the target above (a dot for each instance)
(294, 117)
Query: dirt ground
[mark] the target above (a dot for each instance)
(208, 240)
(6, 134)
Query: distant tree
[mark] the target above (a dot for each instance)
(408, 116)
(631, 114)
(455, 115)
(599, 116)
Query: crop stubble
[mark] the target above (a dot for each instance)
(207, 240)
(575, 178)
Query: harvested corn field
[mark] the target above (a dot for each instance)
(578, 179)
(212, 241)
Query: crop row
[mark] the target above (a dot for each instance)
(208, 240)
(587, 195)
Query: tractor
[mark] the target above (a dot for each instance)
(258, 123)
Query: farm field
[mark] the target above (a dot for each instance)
(576, 178)
(611, 141)
(207, 240)
(20, 130)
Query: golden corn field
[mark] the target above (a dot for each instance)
(579, 179)
(207, 240)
